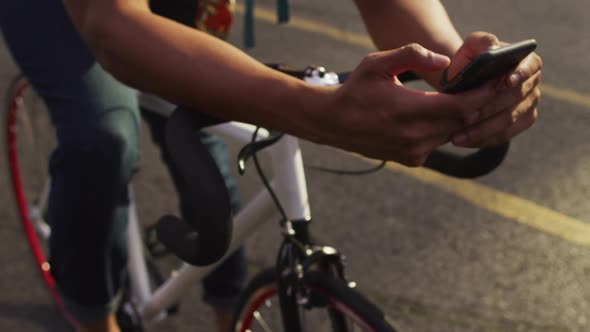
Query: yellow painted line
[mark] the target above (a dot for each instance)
(269, 16)
(504, 204)
(568, 95)
(297, 23)
(362, 40)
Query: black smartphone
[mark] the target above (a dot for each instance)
(489, 65)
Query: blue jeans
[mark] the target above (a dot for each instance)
(97, 123)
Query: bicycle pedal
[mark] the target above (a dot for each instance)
(128, 318)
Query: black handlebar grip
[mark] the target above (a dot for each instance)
(474, 165)
(204, 237)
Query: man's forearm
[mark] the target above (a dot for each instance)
(189, 67)
(394, 23)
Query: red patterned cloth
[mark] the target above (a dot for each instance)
(215, 17)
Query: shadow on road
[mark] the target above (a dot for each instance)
(45, 316)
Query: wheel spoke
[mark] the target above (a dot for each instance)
(43, 199)
(261, 321)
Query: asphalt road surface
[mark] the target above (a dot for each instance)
(507, 252)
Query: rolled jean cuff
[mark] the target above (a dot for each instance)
(87, 314)
(223, 286)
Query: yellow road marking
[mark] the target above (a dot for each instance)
(568, 95)
(504, 204)
(311, 26)
(501, 203)
(362, 40)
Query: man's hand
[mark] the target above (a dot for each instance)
(513, 110)
(374, 114)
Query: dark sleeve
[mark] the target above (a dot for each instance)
(182, 11)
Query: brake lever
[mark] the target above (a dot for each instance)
(251, 148)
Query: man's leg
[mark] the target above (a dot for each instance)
(97, 126)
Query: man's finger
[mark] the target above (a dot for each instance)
(530, 66)
(473, 45)
(410, 57)
(509, 98)
(499, 128)
(466, 106)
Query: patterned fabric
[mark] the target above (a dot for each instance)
(215, 17)
(212, 16)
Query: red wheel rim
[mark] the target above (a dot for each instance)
(15, 102)
(246, 324)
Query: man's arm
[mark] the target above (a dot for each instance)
(369, 114)
(393, 23)
(189, 67)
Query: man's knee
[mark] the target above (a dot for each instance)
(119, 130)
(107, 148)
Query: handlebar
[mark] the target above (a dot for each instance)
(470, 166)
(204, 200)
(204, 237)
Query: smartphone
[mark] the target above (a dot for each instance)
(489, 65)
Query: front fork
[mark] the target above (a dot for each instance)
(297, 255)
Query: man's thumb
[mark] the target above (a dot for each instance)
(410, 57)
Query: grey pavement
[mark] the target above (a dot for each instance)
(431, 260)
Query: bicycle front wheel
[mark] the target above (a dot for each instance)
(331, 305)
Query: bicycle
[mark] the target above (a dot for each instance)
(308, 282)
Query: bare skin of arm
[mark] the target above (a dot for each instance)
(187, 66)
(372, 113)
(424, 22)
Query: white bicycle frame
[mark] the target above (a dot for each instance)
(289, 186)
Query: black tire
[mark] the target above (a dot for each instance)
(333, 298)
